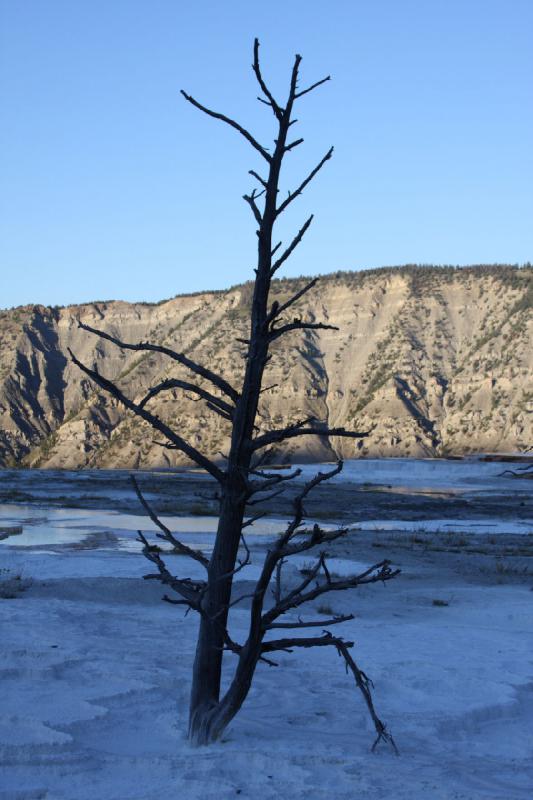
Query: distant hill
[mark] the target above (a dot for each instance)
(437, 361)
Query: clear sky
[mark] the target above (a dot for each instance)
(112, 186)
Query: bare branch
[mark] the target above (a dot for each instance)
(317, 537)
(247, 135)
(234, 603)
(268, 497)
(294, 83)
(174, 602)
(242, 563)
(277, 590)
(246, 548)
(304, 183)
(256, 68)
(275, 556)
(218, 410)
(173, 383)
(256, 487)
(285, 602)
(313, 86)
(178, 546)
(258, 461)
(166, 445)
(250, 199)
(364, 685)
(319, 623)
(233, 647)
(258, 177)
(362, 681)
(292, 145)
(277, 309)
(268, 388)
(189, 590)
(293, 527)
(297, 325)
(293, 245)
(377, 573)
(155, 422)
(291, 432)
(262, 473)
(251, 520)
(312, 641)
(212, 377)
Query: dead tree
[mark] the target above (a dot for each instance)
(243, 479)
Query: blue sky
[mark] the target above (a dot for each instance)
(112, 186)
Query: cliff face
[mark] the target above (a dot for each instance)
(436, 361)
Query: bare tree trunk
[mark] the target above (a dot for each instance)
(205, 692)
(205, 721)
(240, 481)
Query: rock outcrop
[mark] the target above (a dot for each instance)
(434, 361)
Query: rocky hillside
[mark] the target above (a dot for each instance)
(438, 360)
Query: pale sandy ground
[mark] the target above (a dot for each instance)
(96, 670)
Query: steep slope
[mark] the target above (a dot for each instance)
(432, 360)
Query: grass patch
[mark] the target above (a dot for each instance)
(12, 584)
(201, 510)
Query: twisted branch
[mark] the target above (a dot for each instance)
(187, 362)
(293, 245)
(167, 534)
(292, 431)
(278, 111)
(215, 403)
(176, 441)
(231, 122)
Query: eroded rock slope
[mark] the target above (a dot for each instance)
(433, 360)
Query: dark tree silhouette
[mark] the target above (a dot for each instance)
(243, 477)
